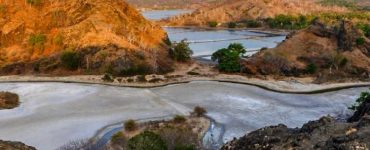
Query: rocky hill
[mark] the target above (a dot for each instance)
(92, 36)
(239, 10)
(325, 133)
(8, 145)
(323, 51)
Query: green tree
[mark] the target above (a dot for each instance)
(182, 51)
(311, 68)
(231, 25)
(212, 24)
(130, 125)
(228, 58)
(147, 141)
(364, 98)
(70, 59)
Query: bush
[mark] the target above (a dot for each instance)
(311, 68)
(212, 24)
(360, 41)
(184, 147)
(199, 111)
(146, 141)
(8, 100)
(34, 2)
(130, 125)
(252, 24)
(178, 137)
(231, 25)
(182, 51)
(70, 59)
(228, 58)
(58, 40)
(107, 77)
(118, 139)
(179, 119)
(365, 28)
(138, 69)
(37, 40)
(363, 99)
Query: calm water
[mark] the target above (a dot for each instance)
(161, 14)
(208, 41)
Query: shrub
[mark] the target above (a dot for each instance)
(365, 28)
(70, 59)
(228, 58)
(231, 25)
(107, 77)
(8, 100)
(130, 125)
(138, 69)
(37, 40)
(118, 139)
(141, 78)
(34, 2)
(311, 68)
(252, 24)
(199, 111)
(179, 119)
(360, 41)
(364, 98)
(182, 51)
(147, 141)
(178, 137)
(212, 24)
(58, 40)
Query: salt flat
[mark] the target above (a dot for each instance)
(51, 114)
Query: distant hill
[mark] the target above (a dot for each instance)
(95, 36)
(172, 4)
(238, 10)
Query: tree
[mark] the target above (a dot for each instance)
(199, 111)
(228, 58)
(182, 51)
(130, 125)
(147, 141)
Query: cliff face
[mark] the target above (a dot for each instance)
(239, 10)
(318, 50)
(106, 33)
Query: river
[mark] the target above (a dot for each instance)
(204, 42)
(51, 114)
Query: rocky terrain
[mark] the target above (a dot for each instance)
(239, 10)
(325, 52)
(325, 133)
(79, 37)
(8, 145)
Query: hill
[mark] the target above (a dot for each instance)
(326, 52)
(79, 36)
(239, 10)
(172, 4)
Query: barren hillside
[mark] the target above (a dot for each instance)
(99, 35)
(172, 4)
(323, 51)
(238, 10)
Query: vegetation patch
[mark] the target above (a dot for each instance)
(8, 100)
(130, 125)
(147, 140)
(213, 24)
(34, 2)
(70, 59)
(182, 52)
(37, 40)
(229, 58)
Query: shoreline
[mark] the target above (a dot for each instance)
(291, 86)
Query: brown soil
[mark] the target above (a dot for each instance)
(8, 100)
(8, 145)
(108, 34)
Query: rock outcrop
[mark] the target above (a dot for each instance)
(8, 145)
(320, 50)
(108, 36)
(325, 133)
